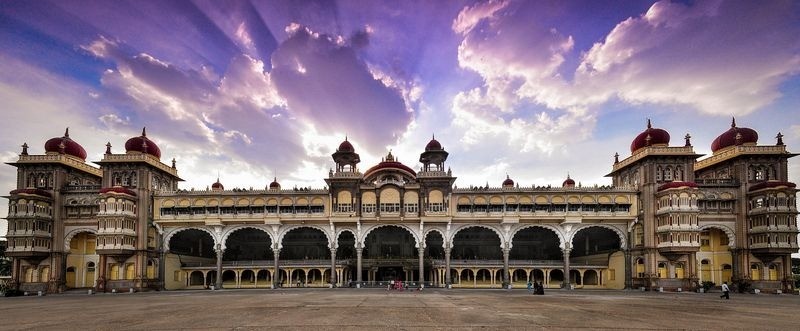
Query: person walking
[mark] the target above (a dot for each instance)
(726, 292)
(529, 286)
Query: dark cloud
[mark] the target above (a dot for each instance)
(324, 82)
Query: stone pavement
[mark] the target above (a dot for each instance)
(374, 309)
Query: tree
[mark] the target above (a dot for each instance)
(5, 264)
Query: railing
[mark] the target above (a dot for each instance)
(717, 182)
(71, 188)
(732, 151)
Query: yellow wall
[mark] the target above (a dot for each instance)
(717, 254)
(172, 263)
(617, 263)
(81, 253)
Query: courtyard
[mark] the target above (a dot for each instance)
(376, 309)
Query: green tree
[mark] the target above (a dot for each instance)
(5, 264)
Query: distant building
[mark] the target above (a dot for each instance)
(667, 221)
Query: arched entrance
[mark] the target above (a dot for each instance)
(390, 254)
(81, 261)
(476, 243)
(593, 246)
(305, 244)
(346, 251)
(248, 244)
(535, 244)
(190, 247)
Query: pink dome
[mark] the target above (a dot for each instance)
(433, 145)
(345, 146)
(508, 182)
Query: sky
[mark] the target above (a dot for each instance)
(252, 90)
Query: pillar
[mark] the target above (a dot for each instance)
(506, 279)
(421, 265)
(628, 269)
(276, 276)
(566, 252)
(218, 281)
(102, 267)
(333, 267)
(447, 277)
(162, 271)
(359, 250)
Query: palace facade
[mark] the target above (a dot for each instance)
(668, 221)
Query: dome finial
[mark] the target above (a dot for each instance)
(733, 121)
(568, 175)
(433, 136)
(648, 124)
(345, 137)
(66, 133)
(144, 131)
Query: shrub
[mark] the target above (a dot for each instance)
(707, 285)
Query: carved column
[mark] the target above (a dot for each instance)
(506, 278)
(421, 265)
(566, 252)
(359, 250)
(333, 267)
(447, 276)
(102, 266)
(218, 281)
(276, 276)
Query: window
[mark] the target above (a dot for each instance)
(176, 276)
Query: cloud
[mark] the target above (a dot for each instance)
(718, 57)
(324, 81)
(721, 57)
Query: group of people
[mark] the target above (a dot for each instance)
(536, 288)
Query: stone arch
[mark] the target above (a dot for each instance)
(229, 231)
(403, 226)
(282, 233)
(343, 230)
(728, 232)
(429, 230)
(73, 233)
(555, 229)
(503, 241)
(623, 243)
(172, 232)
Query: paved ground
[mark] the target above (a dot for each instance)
(373, 309)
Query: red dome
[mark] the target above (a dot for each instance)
(389, 162)
(70, 146)
(656, 137)
(143, 144)
(274, 185)
(118, 190)
(433, 145)
(676, 185)
(345, 146)
(568, 182)
(508, 182)
(217, 185)
(728, 138)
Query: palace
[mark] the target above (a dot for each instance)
(670, 220)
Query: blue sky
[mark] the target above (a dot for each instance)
(532, 89)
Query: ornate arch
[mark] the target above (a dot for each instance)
(728, 232)
(68, 237)
(503, 241)
(428, 231)
(623, 242)
(343, 230)
(171, 232)
(230, 230)
(556, 230)
(282, 233)
(402, 226)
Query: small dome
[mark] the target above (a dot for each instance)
(143, 145)
(345, 146)
(275, 185)
(650, 137)
(217, 186)
(568, 182)
(508, 182)
(70, 147)
(735, 136)
(433, 145)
